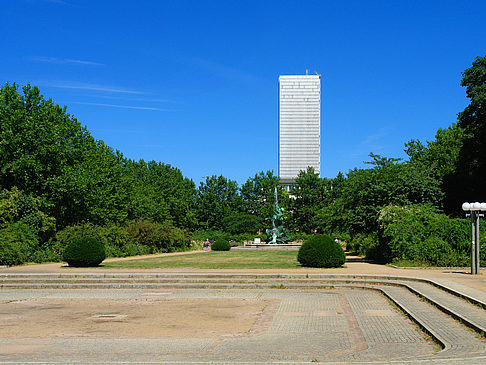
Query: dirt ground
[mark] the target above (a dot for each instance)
(129, 318)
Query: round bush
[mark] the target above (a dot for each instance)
(321, 251)
(220, 245)
(83, 252)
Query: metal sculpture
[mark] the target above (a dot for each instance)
(277, 233)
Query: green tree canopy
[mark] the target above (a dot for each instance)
(257, 195)
(469, 180)
(160, 192)
(388, 182)
(38, 140)
(46, 152)
(217, 198)
(242, 222)
(441, 154)
(309, 194)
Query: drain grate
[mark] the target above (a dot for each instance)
(109, 316)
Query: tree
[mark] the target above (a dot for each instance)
(257, 195)
(146, 200)
(94, 190)
(217, 198)
(329, 218)
(242, 222)
(388, 182)
(160, 192)
(16, 206)
(467, 183)
(47, 153)
(309, 194)
(38, 139)
(441, 154)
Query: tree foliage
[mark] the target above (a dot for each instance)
(388, 182)
(46, 152)
(38, 140)
(257, 195)
(242, 222)
(160, 192)
(217, 198)
(309, 195)
(468, 181)
(440, 155)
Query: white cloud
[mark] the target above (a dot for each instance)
(155, 100)
(66, 61)
(119, 106)
(94, 87)
(369, 140)
(371, 143)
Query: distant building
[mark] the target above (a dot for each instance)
(299, 125)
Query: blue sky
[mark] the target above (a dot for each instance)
(195, 83)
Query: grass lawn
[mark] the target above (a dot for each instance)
(216, 260)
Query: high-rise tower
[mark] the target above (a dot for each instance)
(299, 125)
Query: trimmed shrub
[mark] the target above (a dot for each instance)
(220, 245)
(321, 251)
(84, 252)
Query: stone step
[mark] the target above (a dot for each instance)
(180, 285)
(472, 315)
(235, 276)
(478, 297)
(455, 339)
(195, 280)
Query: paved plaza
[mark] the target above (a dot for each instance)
(295, 318)
(284, 325)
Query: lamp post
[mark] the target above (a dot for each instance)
(474, 210)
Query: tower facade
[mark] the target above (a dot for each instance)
(299, 125)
